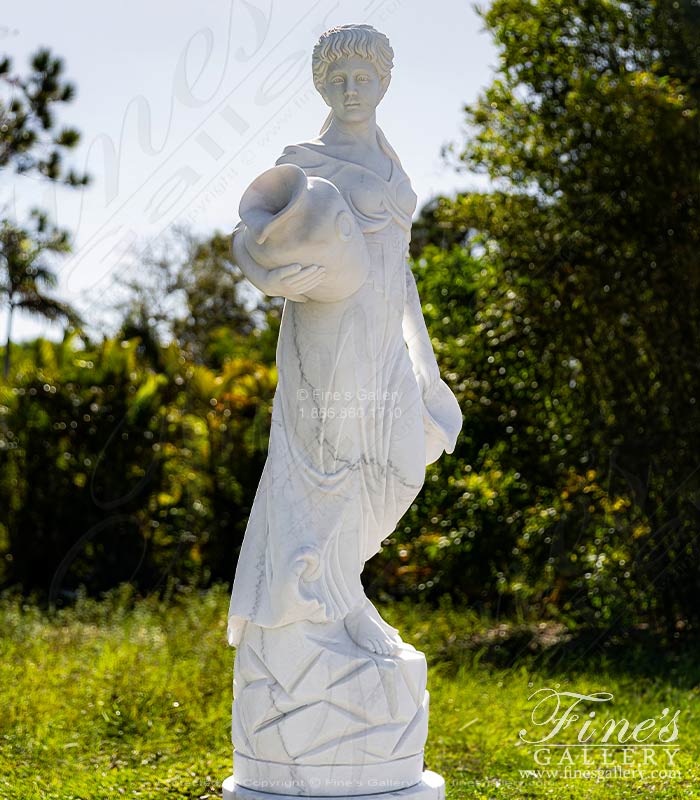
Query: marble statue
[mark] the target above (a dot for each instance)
(328, 698)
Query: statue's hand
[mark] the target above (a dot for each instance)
(427, 374)
(292, 281)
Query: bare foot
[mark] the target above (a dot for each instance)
(367, 629)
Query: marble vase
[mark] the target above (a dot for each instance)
(290, 217)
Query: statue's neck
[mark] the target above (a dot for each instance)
(356, 133)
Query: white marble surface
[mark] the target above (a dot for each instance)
(315, 713)
(326, 693)
(288, 216)
(431, 786)
(355, 420)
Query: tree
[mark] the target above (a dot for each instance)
(28, 141)
(111, 471)
(25, 274)
(188, 290)
(583, 378)
(212, 292)
(430, 228)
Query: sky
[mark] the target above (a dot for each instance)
(181, 106)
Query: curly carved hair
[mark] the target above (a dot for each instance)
(347, 41)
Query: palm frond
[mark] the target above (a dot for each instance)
(48, 307)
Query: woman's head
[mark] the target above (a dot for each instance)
(347, 41)
(351, 69)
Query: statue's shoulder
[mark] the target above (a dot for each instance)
(306, 155)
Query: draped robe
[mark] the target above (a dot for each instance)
(347, 451)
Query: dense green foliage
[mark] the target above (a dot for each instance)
(122, 699)
(564, 307)
(112, 471)
(566, 311)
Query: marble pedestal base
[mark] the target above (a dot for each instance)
(430, 787)
(315, 714)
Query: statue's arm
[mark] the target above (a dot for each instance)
(256, 274)
(417, 338)
(290, 280)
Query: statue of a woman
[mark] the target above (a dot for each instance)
(327, 697)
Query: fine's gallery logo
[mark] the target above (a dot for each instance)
(575, 735)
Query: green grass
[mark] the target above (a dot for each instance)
(124, 699)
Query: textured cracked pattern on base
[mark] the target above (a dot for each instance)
(308, 701)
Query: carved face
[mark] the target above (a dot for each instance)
(353, 89)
